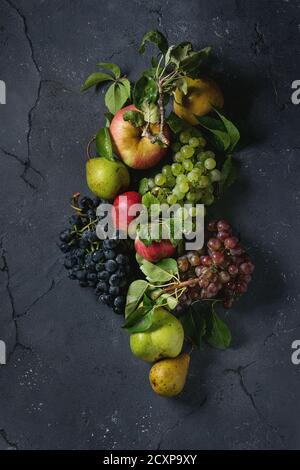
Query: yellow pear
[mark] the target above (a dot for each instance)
(202, 94)
(167, 377)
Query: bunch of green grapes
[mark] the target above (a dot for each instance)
(191, 176)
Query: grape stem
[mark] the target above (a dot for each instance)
(179, 285)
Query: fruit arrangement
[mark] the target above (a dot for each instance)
(121, 243)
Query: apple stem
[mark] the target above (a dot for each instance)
(158, 137)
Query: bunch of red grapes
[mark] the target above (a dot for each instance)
(221, 270)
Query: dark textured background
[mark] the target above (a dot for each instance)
(71, 381)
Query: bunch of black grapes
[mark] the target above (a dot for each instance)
(101, 264)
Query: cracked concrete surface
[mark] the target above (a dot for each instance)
(70, 379)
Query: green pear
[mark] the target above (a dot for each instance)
(106, 178)
(167, 377)
(163, 339)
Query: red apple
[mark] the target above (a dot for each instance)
(136, 151)
(155, 251)
(120, 217)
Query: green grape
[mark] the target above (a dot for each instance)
(187, 165)
(180, 196)
(194, 142)
(167, 170)
(204, 181)
(151, 183)
(191, 197)
(182, 213)
(210, 163)
(176, 169)
(201, 156)
(184, 137)
(187, 151)
(208, 199)
(160, 179)
(171, 199)
(183, 187)
(181, 179)
(188, 227)
(198, 195)
(171, 181)
(200, 166)
(215, 175)
(194, 175)
(178, 157)
(155, 191)
(209, 189)
(176, 147)
(202, 141)
(178, 193)
(193, 211)
(210, 154)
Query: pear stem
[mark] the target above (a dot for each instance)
(88, 147)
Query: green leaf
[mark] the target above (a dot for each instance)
(139, 321)
(188, 60)
(155, 273)
(168, 299)
(180, 52)
(126, 84)
(177, 125)
(108, 118)
(181, 84)
(103, 143)
(112, 67)
(157, 38)
(229, 173)
(135, 294)
(143, 186)
(139, 259)
(147, 301)
(151, 112)
(191, 64)
(231, 129)
(194, 324)
(145, 90)
(154, 62)
(95, 79)
(218, 334)
(220, 137)
(169, 265)
(136, 118)
(116, 96)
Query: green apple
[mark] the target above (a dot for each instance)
(106, 178)
(163, 339)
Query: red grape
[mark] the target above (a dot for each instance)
(236, 251)
(223, 225)
(206, 260)
(218, 257)
(233, 270)
(212, 226)
(223, 235)
(224, 276)
(214, 244)
(231, 242)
